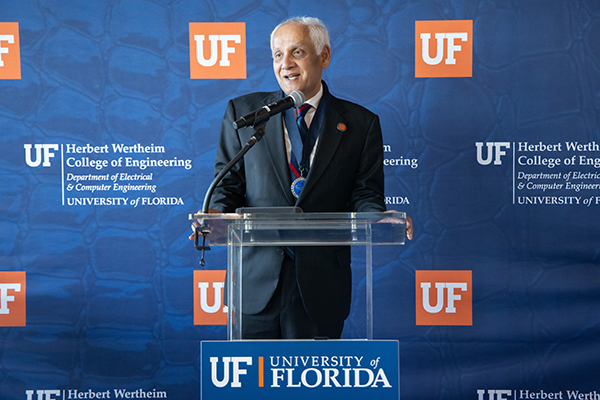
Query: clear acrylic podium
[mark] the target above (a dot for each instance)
(283, 228)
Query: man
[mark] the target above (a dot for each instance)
(339, 169)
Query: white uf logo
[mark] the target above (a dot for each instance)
(237, 370)
(452, 296)
(217, 287)
(39, 148)
(492, 147)
(494, 394)
(452, 47)
(5, 298)
(43, 394)
(214, 54)
(4, 50)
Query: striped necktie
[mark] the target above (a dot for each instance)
(297, 154)
(302, 126)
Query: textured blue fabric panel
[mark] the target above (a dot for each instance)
(110, 288)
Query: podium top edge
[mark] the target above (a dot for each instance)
(338, 216)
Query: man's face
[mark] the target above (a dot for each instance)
(295, 61)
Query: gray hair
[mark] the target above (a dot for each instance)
(316, 29)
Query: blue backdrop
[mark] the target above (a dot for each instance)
(109, 272)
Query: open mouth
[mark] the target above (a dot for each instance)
(291, 77)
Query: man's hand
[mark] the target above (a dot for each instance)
(196, 224)
(409, 228)
(409, 225)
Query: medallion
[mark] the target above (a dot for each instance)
(297, 186)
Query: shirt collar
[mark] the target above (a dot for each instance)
(314, 101)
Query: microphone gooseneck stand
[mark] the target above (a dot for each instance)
(259, 130)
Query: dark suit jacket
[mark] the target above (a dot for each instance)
(346, 175)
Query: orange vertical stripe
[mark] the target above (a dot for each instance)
(261, 374)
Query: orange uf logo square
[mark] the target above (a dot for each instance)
(10, 54)
(443, 49)
(217, 50)
(444, 298)
(12, 298)
(208, 298)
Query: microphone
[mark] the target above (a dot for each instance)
(295, 99)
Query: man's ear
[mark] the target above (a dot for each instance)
(325, 56)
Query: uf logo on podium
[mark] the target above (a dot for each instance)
(299, 369)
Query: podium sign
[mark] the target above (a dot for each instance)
(304, 369)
